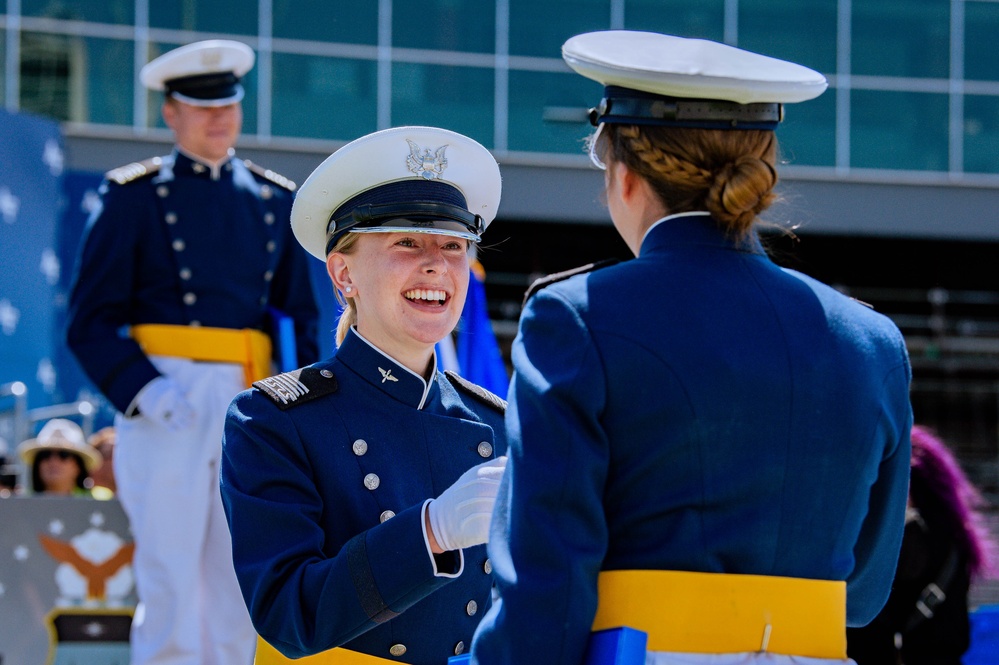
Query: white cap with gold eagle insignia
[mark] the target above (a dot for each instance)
(399, 180)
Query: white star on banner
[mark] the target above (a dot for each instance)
(50, 266)
(46, 374)
(56, 527)
(9, 316)
(9, 205)
(97, 519)
(91, 199)
(53, 157)
(2, 590)
(21, 553)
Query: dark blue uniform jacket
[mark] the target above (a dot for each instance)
(324, 497)
(176, 244)
(696, 408)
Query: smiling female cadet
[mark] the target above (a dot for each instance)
(329, 472)
(703, 446)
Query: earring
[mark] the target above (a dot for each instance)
(348, 289)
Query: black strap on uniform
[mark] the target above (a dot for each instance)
(933, 594)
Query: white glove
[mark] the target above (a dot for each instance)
(164, 402)
(460, 516)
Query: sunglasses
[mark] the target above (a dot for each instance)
(61, 454)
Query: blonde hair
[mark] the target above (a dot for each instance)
(348, 318)
(729, 173)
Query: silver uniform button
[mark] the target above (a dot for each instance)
(326, 374)
(397, 649)
(485, 449)
(198, 168)
(372, 481)
(265, 192)
(471, 608)
(386, 515)
(170, 217)
(271, 245)
(269, 275)
(190, 298)
(162, 191)
(195, 324)
(459, 648)
(185, 274)
(487, 567)
(263, 300)
(268, 218)
(178, 245)
(360, 446)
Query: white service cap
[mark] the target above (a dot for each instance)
(651, 78)
(404, 179)
(204, 73)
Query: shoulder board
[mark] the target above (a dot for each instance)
(126, 174)
(267, 174)
(298, 387)
(564, 275)
(476, 391)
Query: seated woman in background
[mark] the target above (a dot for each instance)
(945, 546)
(60, 460)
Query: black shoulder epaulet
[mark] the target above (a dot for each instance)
(542, 282)
(477, 391)
(298, 387)
(126, 174)
(267, 174)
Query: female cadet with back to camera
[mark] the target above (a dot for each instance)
(329, 472)
(703, 446)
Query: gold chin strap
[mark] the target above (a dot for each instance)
(247, 347)
(719, 613)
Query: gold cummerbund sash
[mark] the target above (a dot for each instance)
(246, 347)
(268, 655)
(721, 613)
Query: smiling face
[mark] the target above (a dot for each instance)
(204, 131)
(408, 288)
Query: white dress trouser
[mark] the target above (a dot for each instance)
(190, 609)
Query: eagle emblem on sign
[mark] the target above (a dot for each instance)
(424, 162)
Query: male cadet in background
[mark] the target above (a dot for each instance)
(180, 271)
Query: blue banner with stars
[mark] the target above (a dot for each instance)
(31, 167)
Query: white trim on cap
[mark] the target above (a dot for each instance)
(689, 68)
(210, 103)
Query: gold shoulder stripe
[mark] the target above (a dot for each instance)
(126, 174)
(276, 178)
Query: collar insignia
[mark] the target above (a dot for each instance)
(387, 375)
(424, 163)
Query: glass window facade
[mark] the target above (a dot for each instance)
(97, 11)
(981, 134)
(446, 25)
(325, 21)
(910, 39)
(236, 17)
(764, 28)
(329, 77)
(703, 20)
(981, 28)
(325, 98)
(456, 98)
(899, 130)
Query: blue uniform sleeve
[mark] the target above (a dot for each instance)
(100, 300)
(306, 593)
(292, 294)
(877, 548)
(549, 534)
